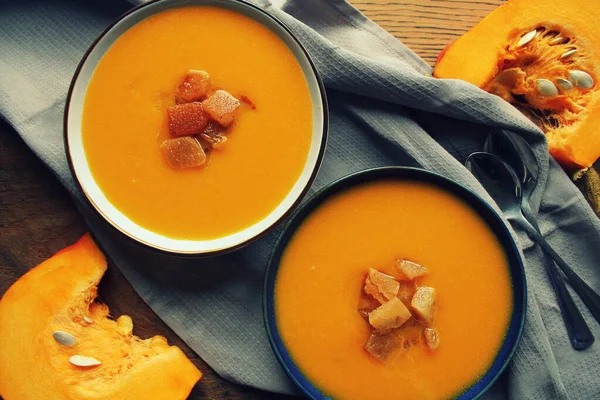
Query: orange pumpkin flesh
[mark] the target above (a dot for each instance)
(58, 295)
(491, 57)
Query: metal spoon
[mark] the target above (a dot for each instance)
(517, 153)
(502, 183)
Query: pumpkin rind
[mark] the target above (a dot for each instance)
(477, 57)
(57, 295)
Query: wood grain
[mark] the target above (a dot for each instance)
(38, 218)
(426, 26)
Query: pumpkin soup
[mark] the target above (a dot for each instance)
(159, 67)
(406, 243)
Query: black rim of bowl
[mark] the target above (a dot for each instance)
(492, 219)
(290, 210)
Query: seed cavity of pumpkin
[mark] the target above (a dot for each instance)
(84, 361)
(64, 338)
(543, 74)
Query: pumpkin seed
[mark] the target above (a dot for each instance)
(558, 40)
(564, 84)
(509, 77)
(84, 361)
(125, 325)
(568, 53)
(88, 319)
(546, 88)
(581, 79)
(526, 38)
(64, 338)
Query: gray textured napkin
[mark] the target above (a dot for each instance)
(385, 110)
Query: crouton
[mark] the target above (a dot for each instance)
(366, 304)
(406, 292)
(383, 346)
(381, 286)
(423, 304)
(221, 107)
(214, 134)
(183, 152)
(432, 338)
(410, 270)
(194, 86)
(389, 316)
(186, 119)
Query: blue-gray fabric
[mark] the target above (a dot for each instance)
(386, 109)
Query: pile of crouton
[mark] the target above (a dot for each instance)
(398, 302)
(198, 122)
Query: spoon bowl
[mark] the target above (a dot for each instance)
(499, 179)
(517, 153)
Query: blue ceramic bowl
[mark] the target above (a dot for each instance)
(495, 223)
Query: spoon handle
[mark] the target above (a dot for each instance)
(528, 213)
(589, 297)
(580, 335)
(579, 332)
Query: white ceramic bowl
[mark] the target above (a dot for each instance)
(93, 193)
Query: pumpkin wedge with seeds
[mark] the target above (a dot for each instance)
(55, 337)
(543, 56)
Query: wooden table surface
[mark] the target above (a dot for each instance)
(38, 218)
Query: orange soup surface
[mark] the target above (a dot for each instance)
(125, 121)
(322, 274)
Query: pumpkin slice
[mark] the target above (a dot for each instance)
(543, 56)
(56, 344)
